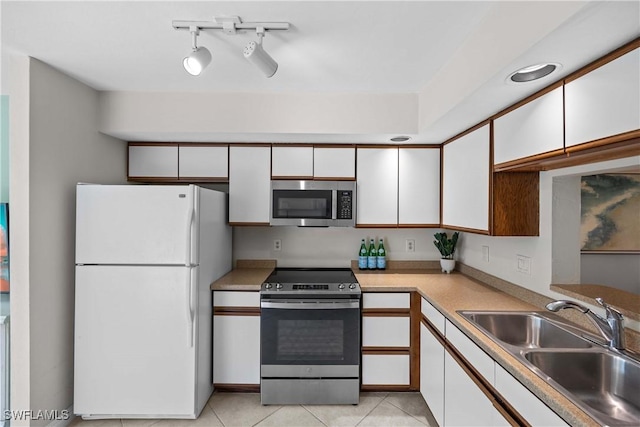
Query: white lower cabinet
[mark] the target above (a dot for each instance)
(432, 373)
(385, 369)
(236, 349)
(236, 338)
(525, 402)
(464, 403)
(454, 397)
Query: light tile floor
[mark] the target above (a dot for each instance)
(244, 409)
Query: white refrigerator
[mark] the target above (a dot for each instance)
(145, 257)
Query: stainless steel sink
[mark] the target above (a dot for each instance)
(603, 382)
(526, 329)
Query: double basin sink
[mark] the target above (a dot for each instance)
(604, 383)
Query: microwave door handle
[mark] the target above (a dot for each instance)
(334, 203)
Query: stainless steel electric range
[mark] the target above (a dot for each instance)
(310, 337)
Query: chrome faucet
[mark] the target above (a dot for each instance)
(611, 327)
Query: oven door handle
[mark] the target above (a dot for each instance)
(311, 305)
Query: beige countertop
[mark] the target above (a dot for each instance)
(448, 293)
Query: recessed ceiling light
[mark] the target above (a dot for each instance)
(400, 138)
(533, 72)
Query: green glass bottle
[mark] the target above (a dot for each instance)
(381, 259)
(362, 256)
(372, 256)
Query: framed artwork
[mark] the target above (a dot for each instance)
(610, 213)
(4, 247)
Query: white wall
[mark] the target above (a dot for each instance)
(54, 144)
(621, 271)
(328, 247)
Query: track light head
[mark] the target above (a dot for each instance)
(199, 58)
(197, 61)
(255, 54)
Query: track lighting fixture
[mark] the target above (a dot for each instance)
(258, 57)
(200, 57)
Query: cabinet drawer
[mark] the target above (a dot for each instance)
(385, 332)
(388, 369)
(470, 351)
(385, 300)
(236, 299)
(433, 315)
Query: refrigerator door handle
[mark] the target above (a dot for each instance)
(190, 305)
(190, 218)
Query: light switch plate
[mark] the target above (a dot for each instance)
(523, 264)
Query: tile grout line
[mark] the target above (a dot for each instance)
(314, 415)
(411, 415)
(372, 409)
(216, 414)
(253, 425)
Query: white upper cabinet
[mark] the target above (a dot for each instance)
(203, 161)
(465, 186)
(153, 161)
(334, 162)
(419, 186)
(604, 102)
(292, 162)
(534, 128)
(249, 184)
(377, 192)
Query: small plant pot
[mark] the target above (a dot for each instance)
(447, 265)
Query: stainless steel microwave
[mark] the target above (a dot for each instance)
(313, 203)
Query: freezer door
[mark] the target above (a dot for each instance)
(135, 353)
(135, 224)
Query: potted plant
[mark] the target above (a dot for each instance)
(447, 247)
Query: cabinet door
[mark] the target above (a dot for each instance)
(236, 360)
(334, 162)
(204, 162)
(292, 162)
(464, 403)
(526, 403)
(153, 161)
(480, 360)
(249, 184)
(377, 193)
(465, 186)
(535, 128)
(604, 102)
(432, 373)
(388, 369)
(419, 186)
(385, 331)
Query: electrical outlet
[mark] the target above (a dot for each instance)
(523, 264)
(485, 253)
(277, 244)
(410, 245)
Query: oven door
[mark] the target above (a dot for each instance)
(310, 338)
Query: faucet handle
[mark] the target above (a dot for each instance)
(610, 311)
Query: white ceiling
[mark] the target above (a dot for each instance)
(332, 47)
